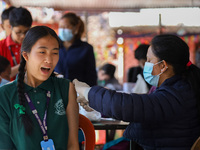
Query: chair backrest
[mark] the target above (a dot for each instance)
(88, 130)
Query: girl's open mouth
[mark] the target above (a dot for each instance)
(45, 70)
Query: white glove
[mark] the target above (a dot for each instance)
(82, 89)
(84, 103)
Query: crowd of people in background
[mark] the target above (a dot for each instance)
(76, 56)
(165, 98)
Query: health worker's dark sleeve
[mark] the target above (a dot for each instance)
(159, 106)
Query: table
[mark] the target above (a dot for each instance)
(112, 124)
(109, 124)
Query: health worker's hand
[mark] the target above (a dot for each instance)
(82, 89)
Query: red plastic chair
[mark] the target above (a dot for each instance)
(88, 130)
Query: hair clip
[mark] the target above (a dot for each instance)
(21, 108)
(189, 63)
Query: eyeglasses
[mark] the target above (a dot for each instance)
(20, 33)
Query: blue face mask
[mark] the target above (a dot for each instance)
(147, 72)
(3, 81)
(65, 34)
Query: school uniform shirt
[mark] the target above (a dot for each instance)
(6, 46)
(78, 62)
(12, 131)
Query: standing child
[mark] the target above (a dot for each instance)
(38, 107)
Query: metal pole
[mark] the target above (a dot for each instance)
(86, 25)
(160, 24)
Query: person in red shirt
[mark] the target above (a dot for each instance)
(20, 21)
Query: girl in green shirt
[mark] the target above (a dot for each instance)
(38, 110)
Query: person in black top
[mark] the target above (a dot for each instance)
(140, 55)
(76, 56)
(106, 77)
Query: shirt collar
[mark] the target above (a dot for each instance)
(75, 43)
(171, 80)
(10, 42)
(46, 85)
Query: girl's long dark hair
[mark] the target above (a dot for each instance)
(32, 36)
(175, 51)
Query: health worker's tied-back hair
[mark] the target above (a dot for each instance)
(175, 52)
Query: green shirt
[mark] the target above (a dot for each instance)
(12, 132)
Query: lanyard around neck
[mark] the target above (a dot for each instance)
(43, 124)
(13, 56)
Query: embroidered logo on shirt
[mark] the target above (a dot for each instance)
(59, 106)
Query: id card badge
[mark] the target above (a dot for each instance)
(47, 145)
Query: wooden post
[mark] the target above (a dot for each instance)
(160, 24)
